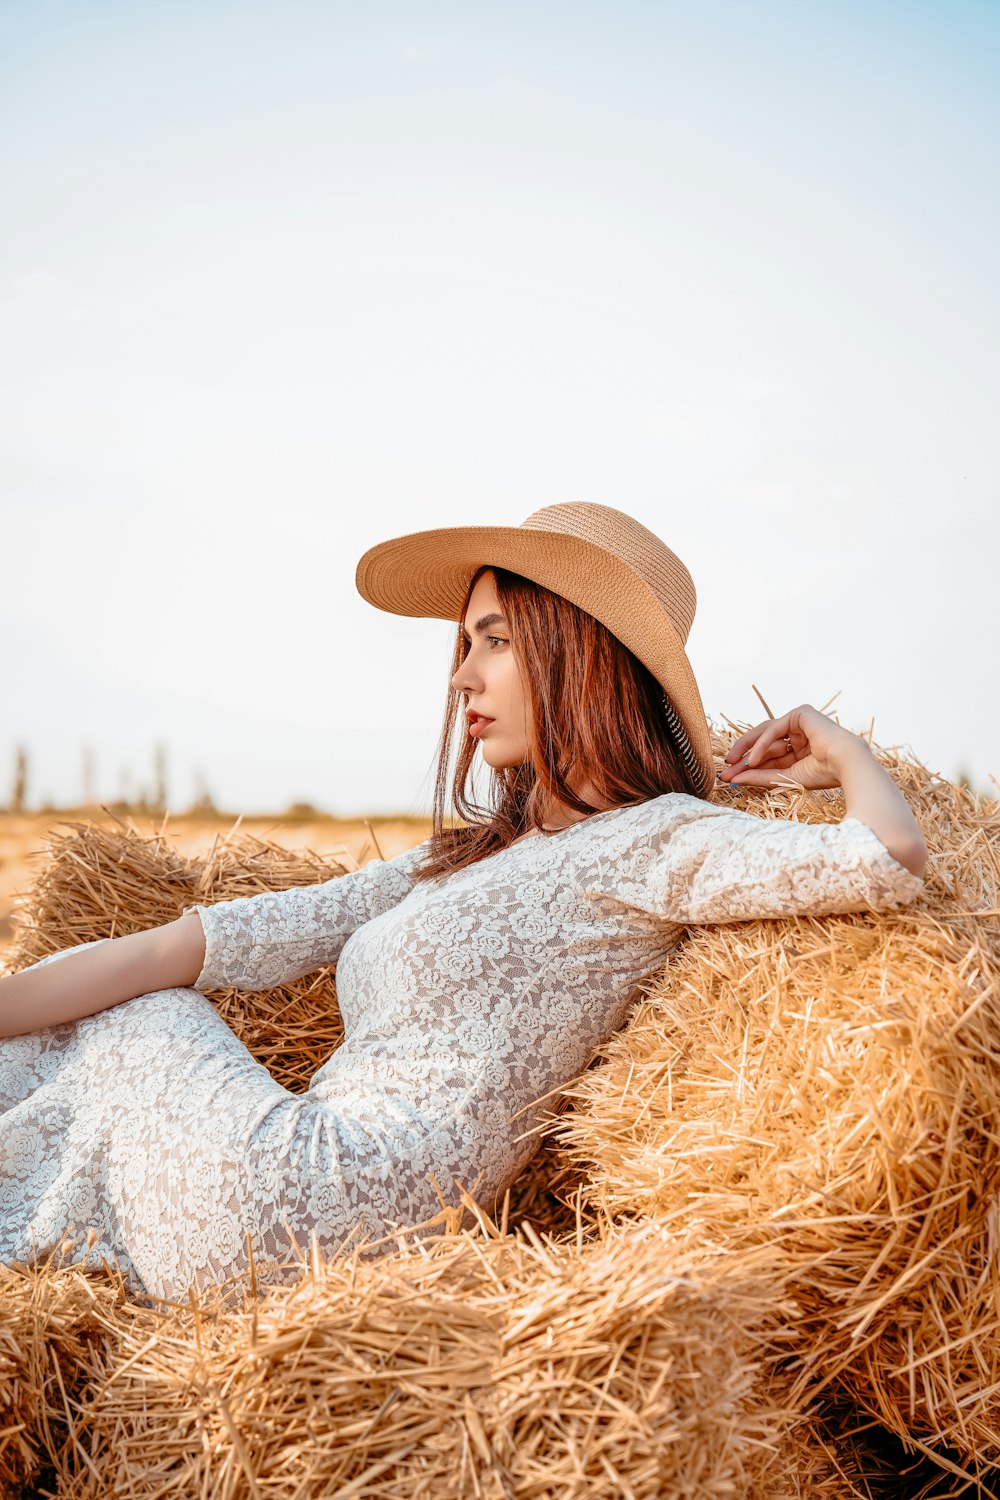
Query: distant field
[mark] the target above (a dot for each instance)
(23, 838)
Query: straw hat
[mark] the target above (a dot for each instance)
(596, 557)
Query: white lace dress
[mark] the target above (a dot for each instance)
(468, 1001)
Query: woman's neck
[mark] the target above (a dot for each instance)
(557, 815)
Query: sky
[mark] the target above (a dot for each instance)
(279, 281)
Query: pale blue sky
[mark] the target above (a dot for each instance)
(278, 281)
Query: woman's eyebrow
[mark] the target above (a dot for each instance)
(486, 621)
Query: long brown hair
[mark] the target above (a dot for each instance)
(595, 716)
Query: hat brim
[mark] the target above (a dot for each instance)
(426, 574)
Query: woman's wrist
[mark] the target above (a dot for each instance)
(850, 751)
(871, 796)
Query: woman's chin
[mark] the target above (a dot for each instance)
(495, 758)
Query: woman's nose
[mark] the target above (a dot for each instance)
(465, 679)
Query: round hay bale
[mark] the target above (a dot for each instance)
(471, 1365)
(776, 1184)
(830, 1090)
(100, 882)
(56, 1325)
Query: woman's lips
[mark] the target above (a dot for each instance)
(478, 724)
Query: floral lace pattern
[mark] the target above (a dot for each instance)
(468, 1002)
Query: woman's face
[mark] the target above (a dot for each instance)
(488, 679)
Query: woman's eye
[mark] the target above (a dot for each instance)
(496, 640)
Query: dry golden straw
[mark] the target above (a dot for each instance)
(98, 883)
(758, 1249)
(831, 1090)
(475, 1364)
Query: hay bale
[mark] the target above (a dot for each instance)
(830, 1090)
(56, 1325)
(100, 882)
(472, 1365)
(777, 1183)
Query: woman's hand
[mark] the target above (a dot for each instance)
(803, 746)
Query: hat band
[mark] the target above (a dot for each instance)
(694, 767)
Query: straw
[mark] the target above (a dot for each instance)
(471, 1365)
(100, 882)
(757, 1250)
(56, 1326)
(830, 1090)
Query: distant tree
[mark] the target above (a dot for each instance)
(160, 778)
(965, 781)
(19, 791)
(125, 792)
(203, 805)
(88, 776)
(303, 810)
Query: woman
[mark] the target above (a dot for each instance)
(477, 973)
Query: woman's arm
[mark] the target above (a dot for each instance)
(252, 943)
(872, 797)
(101, 976)
(807, 748)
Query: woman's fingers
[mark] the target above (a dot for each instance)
(752, 739)
(771, 775)
(774, 758)
(771, 743)
(765, 742)
(765, 755)
(781, 752)
(788, 730)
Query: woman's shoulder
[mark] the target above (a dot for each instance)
(642, 823)
(610, 833)
(670, 807)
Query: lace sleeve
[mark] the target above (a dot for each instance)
(726, 865)
(257, 942)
